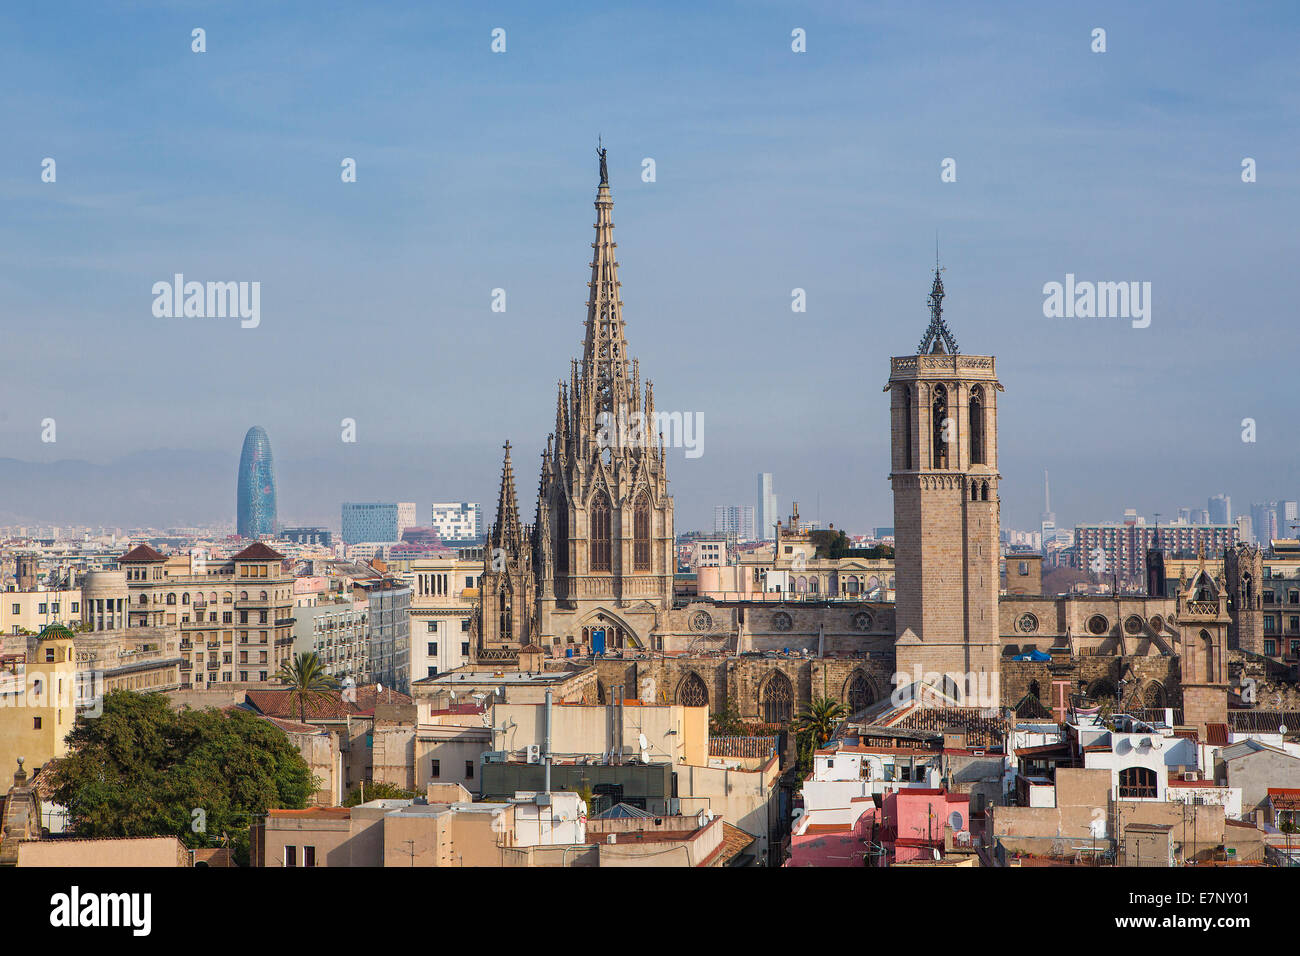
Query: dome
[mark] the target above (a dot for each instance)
(55, 632)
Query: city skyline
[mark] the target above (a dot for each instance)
(414, 193)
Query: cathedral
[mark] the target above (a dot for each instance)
(595, 569)
(592, 577)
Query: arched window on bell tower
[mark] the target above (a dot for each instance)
(907, 428)
(939, 423)
(600, 560)
(1207, 648)
(641, 533)
(977, 426)
(504, 611)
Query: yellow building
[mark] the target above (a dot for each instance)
(29, 611)
(38, 693)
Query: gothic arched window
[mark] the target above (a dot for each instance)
(907, 428)
(641, 534)
(977, 425)
(860, 694)
(600, 560)
(692, 692)
(503, 605)
(776, 699)
(562, 537)
(1207, 646)
(939, 427)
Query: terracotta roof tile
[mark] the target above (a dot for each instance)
(280, 702)
(257, 551)
(140, 553)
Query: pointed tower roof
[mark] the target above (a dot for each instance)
(604, 356)
(507, 533)
(937, 337)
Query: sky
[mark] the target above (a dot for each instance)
(774, 171)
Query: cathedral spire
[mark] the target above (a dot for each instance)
(605, 370)
(937, 335)
(507, 533)
(561, 417)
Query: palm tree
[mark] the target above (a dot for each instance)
(818, 719)
(305, 675)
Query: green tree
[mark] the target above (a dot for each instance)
(305, 675)
(376, 791)
(141, 769)
(830, 542)
(727, 722)
(818, 719)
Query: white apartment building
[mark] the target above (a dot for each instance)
(456, 520)
(337, 633)
(708, 553)
(443, 593)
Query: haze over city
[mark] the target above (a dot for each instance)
(474, 173)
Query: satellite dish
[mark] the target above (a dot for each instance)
(379, 688)
(955, 821)
(642, 742)
(1281, 729)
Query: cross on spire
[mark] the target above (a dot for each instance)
(938, 338)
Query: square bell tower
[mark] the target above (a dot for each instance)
(944, 473)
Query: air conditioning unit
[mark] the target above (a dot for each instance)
(1189, 775)
(534, 753)
(494, 756)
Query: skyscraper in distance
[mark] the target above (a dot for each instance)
(1220, 508)
(255, 487)
(766, 513)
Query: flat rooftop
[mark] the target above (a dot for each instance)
(493, 678)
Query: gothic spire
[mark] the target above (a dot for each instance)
(605, 369)
(507, 533)
(561, 417)
(937, 335)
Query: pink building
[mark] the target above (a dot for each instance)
(915, 821)
(834, 844)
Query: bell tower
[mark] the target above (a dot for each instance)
(1203, 623)
(944, 473)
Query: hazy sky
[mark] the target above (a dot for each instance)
(775, 170)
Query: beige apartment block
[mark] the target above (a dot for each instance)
(235, 617)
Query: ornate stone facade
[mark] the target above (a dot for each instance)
(595, 570)
(944, 473)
